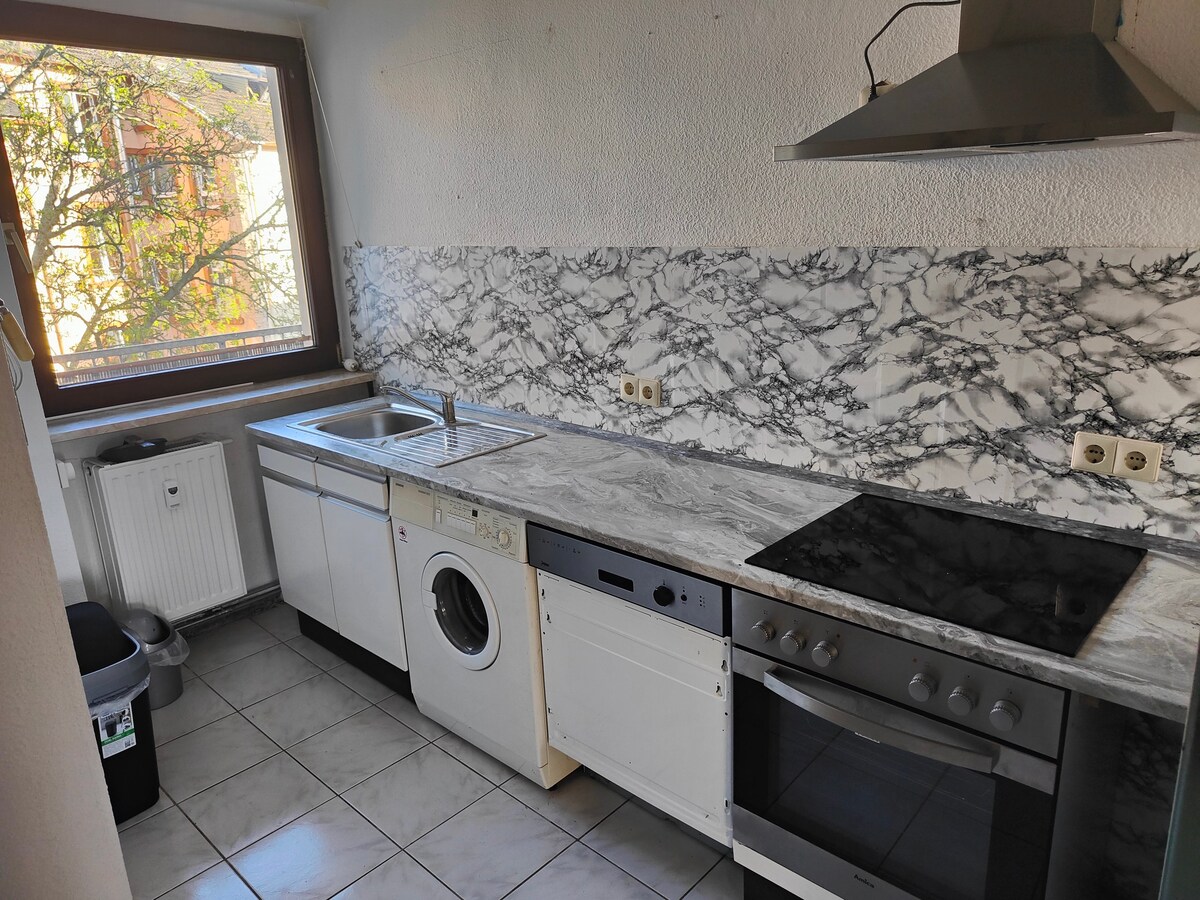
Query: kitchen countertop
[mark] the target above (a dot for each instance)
(688, 510)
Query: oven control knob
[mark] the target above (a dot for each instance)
(764, 630)
(824, 653)
(792, 642)
(961, 701)
(922, 687)
(1004, 715)
(663, 595)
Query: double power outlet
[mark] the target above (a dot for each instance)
(647, 391)
(1105, 455)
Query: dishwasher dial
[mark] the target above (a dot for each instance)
(824, 653)
(764, 630)
(922, 687)
(663, 595)
(1004, 715)
(792, 643)
(961, 701)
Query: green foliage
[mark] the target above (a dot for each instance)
(131, 174)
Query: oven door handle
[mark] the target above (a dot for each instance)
(880, 722)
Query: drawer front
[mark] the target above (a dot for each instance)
(365, 488)
(300, 468)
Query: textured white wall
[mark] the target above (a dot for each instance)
(651, 122)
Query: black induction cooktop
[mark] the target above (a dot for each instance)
(1039, 587)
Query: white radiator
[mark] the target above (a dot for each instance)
(167, 532)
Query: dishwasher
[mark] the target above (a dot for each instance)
(636, 658)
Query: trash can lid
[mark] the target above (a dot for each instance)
(99, 641)
(149, 627)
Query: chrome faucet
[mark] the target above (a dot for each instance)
(446, 412)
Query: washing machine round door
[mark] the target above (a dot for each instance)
(460, 610)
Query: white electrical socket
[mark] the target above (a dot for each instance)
(1094, 453)
(628, 388)
(649, 392)
(1137, 460)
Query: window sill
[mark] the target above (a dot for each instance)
(169, 409)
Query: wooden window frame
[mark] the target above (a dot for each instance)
(23, 21)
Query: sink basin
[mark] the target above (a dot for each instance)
(375, 423)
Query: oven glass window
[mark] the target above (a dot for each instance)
(938, 831)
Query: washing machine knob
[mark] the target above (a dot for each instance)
(504, 538)
(663, 595)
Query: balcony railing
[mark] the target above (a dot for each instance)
(142, 359)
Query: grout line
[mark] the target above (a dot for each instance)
(533, 874)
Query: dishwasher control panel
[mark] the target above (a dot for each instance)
(679, 595)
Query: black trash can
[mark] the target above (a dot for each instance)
(115, 676)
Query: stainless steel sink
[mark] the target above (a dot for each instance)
(378, 423)
(372, 424)
(416, 436)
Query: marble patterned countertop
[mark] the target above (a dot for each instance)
(706, 516)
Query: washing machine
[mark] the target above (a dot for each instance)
(470, 605)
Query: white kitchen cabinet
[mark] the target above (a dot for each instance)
(334, 550)
(362, 570)
(299, 539)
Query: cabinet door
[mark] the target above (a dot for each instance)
(298, 536)
(362, 567)
(640, 699)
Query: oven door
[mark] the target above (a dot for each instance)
(866, 799)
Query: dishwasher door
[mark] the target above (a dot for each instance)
(640, 699)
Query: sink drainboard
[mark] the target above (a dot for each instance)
(452, 443)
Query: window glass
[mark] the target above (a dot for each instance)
(156, 202)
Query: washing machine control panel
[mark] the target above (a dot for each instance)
(480, 526)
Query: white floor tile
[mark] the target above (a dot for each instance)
(400, 878)
(164, 802)
(467, 753)
(406, 711)
(490, 847)
(357, 748)
(304, 709)
(280, 620)
(196, 707)
(188, 674)
(724, 882)
(575, 804)
(163, 852)
(316, 856)
(218, 883)
(417, 794)
(653, 850)
(362, 683)
(582, 874)
(227, 644)
(259, 676)
(250, 805)
(314, 652)
(196, 761)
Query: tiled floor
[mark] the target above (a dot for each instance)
(289, 773)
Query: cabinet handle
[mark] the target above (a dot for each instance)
(350, 470)
(354, 507)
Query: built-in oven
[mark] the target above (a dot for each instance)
(867, 766)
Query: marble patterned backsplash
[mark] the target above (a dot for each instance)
(963, 373)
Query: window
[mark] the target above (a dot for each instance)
(204, 180)
(190, 252)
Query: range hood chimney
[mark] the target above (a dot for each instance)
(1029, 75)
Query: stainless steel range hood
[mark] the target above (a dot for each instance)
(1029, 75)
